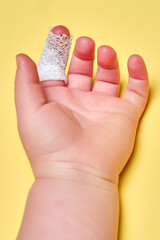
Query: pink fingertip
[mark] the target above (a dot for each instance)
(60, 30)
(107, 57)
(137, 68)
(84, 48)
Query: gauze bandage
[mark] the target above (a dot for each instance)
(53, 61)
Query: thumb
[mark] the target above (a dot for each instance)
(29, 95)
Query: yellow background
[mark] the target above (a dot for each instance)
(129, 26)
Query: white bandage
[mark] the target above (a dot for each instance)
(54, 57)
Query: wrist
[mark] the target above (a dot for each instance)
(81, 210)
(76, 172)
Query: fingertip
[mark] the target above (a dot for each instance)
(107, 57)
(19, 58)
(26, 69)
(137, 68)
(60, 30)
(84, 48)
(23, 59)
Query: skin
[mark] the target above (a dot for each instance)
(86, 132)
(60, 30)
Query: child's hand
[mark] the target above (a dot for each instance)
(77, 126)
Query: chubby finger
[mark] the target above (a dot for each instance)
(57, 30)
(81, 66)
(138, 84)
(108, 76)
(29, 95)
(48, 85)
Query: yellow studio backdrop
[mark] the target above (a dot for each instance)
(129, 26)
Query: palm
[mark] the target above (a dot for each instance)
(80, 125)
(88, 126)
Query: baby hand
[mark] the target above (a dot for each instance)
(77, 126)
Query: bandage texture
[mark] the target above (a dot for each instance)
(54, 57)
